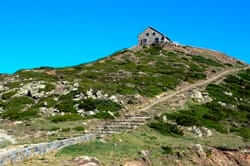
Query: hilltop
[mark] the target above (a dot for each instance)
(46, 104)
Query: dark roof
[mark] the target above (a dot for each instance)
(159, 32)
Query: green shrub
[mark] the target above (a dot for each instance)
(66, 106)
(8, 95)
(66, 130)
(36, 75)
(104, 106)
(245, 133)
(66, 117)
(210, 62)
(20, 115)
(18, 103)
(79, 128)
(167, 150)
(244, 107)
(166, 128)
(186, 120)
(49, 87)
(66, 103)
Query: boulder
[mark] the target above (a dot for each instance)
(134, 163)
(206, 132)
(87, 161)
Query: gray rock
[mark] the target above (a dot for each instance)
(87, 161)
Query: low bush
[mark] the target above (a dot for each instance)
(210, 62)
(8, 95)
(79, 128)
(245, 133)
(66, 117)
(167, 150)
(103, 106)
(20, 115)
(166, 128)
(18, 103)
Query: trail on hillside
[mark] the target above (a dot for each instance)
(16, 154)
(166, 96)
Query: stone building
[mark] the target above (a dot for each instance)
(152, 37)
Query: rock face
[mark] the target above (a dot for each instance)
(220, 157)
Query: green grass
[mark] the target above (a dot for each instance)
(66, 117)
(217, 116)
(210, 62)
(126, 146)
(20, 115)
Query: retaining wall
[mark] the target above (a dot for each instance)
(22, 154)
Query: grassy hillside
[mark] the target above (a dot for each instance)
(170, 142)
(55, 103)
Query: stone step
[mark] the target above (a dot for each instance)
(107, 132)
(120, 126)
(137, 117)
(116, 128)
(125, 123)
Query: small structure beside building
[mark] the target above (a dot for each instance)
(152, 37)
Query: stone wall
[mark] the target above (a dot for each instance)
(21, 154)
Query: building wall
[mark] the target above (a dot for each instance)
(151, 37)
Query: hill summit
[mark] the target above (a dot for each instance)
(182, 93)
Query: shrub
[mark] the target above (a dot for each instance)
(18, 103)
(66, 117)
(245, 133)
(166, 128)
(167, 150)
(24, 115)
(79, 128)
(210, 62)
(66, 106)
(66, 103)
(104, 106)
(185, 120)
(244, 107)
(8, 95)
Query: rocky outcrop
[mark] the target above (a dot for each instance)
(221, 157)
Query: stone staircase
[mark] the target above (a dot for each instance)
(124, 124)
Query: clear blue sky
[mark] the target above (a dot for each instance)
(58, 33)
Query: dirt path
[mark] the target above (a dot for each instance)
(165, 96)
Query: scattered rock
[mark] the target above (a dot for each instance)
(222, 104)
(135, 163)
(200, 97)
(200, 131)
(87, 161)
(6, 137)
(206, 132)
(199, 149)
(196, 131)
(229, 93)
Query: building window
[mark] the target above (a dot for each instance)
(153, 33)
(144, 41)
(157, 40)
(162, 38)
(147, 34)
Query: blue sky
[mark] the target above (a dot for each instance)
(64, 33)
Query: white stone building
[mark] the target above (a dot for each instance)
(152, 37)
